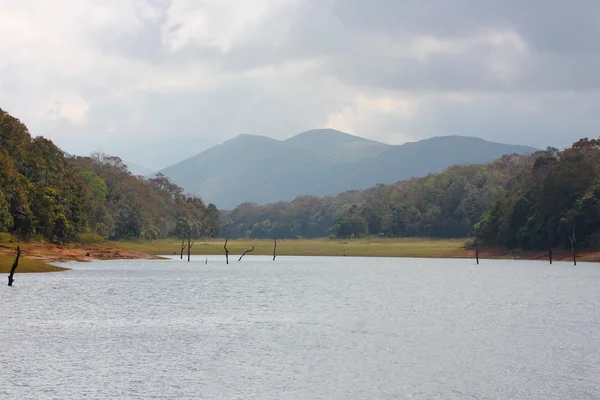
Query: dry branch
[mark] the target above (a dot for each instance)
(247, 251)
(274, 248)
(226, 251)
(573, 241)
(550, 242)
(182, 247)
(14, 266)
(189, 245)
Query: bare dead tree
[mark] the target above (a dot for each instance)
(182, 248)
(573, 241)
(550, 241)
(189, 245)
(14, 266)
(477, 252)
(274, 248)
(226, 251)
(247, 251)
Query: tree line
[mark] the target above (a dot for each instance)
(46, 194)
(550, 198)
(554, 202)
(447, 204)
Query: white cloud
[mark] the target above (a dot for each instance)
(155, 81)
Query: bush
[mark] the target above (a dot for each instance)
(150, 233)
(469, 244)
(5, 237)
(89, 238)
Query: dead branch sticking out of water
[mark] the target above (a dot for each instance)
(189, 245)
(274, 248)
(247, 251)
(573, 241)
(226, 251)
(14, 266)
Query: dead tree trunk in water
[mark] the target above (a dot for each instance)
(477, 252)
(514, 255)
(182, 248)
(247, 251)
(189, 245)
(14, 266)
(550, 242)
(274, 248)
(573, 241)
(226, 251)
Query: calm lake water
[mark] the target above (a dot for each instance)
(303, 328)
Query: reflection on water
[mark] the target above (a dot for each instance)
(303, 328)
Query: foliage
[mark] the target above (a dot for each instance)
(559, 193)
(351, 226)
(132, 207)
(38, 187)
(447, 204)
(47, 195)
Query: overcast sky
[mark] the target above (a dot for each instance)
(156, 81)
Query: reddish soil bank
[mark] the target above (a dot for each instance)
(74, 252)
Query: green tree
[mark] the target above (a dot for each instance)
(352, 225)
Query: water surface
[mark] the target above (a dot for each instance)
(303, 328)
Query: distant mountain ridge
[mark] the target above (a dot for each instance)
(252, 168)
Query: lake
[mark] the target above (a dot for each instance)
(303, 328)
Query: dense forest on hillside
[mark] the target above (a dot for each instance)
(447, 204)
(557, 196)
(47, 195)
(548, 198)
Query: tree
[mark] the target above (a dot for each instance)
(128, 224)
(6, 219)
(352, 225)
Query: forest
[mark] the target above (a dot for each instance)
(548, 198)
(554, 203)
(447, 204)
(46, 194)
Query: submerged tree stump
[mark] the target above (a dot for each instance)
(182, 248)
(573, 241)
(14, 267)
(189, 245)
(226, 251)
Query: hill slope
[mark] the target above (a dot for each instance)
(251, 168)
(258, 169)
(419, 159)
(337, 146)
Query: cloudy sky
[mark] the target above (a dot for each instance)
(156, 81)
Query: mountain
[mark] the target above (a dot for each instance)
(337, 146)
(251, 168)
(420, 158)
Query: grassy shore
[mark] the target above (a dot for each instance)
(409, 247)
(369, 247)
(36, 255)
(26, 265)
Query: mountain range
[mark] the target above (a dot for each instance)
(252, 168)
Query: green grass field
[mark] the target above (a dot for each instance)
(406, 247)
(26, 265)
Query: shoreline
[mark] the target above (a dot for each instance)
(35, 256)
